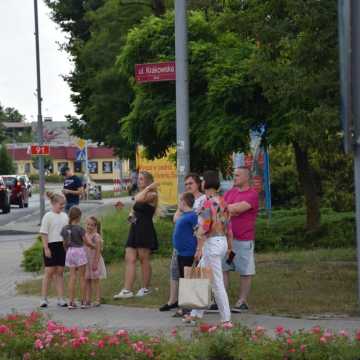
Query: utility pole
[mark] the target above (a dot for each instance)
(182, 94)
(39, 119)
(349, 48)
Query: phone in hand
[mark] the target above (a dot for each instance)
(230, 258)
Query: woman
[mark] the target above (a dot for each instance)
(142, 238)
(192, 185)
(214, 242)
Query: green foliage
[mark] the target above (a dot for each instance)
(285, 231)
(31, 337)
(32, 257)
(48, 178)
(6, 163)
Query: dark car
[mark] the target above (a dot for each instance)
(19, 194)
(4, 197)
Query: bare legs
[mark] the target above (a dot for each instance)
(174, 292)
(93, 285)
(72, 282)
(245, 286)
(58, 273)
(131, 256)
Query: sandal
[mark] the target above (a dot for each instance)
(190, 320)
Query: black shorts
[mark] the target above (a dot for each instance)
(184, 261)
(57, 255)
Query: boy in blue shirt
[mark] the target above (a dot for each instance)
(184, 240)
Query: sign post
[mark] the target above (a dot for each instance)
(349, 47)
(182, 94)
(40, 123)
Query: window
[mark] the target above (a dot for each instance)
(78, 166)
(107, 167)
(93, 167)
(60, 165)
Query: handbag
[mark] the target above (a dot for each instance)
(195, 288)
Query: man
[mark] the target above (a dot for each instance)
(243, 205)
(72, 188)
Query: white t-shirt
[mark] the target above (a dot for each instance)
(52, 224)
(198, 203)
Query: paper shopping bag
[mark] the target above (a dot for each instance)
(194, 293)
(199, 272)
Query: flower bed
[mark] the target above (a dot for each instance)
(34, 337)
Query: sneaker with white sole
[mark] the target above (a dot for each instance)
(62, 303)
(124, 294)
(143, 292)
(44, 303)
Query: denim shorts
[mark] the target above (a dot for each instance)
(244, 260)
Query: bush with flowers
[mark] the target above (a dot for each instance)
(27, 337)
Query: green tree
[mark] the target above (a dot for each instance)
(6, 163)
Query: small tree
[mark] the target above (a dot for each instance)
(6, 162)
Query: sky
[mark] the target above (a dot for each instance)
(18, 61)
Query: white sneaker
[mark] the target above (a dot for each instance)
(44, 303)
(61, 303)
(124, 294)
(143, 292)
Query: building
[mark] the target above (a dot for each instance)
(64, 151)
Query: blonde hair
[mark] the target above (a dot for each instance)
(55, 197)
(74, 214)
(149, 178)
(98, 228)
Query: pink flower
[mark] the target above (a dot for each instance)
(259, 329)
(83, 339)
(323, 340)
(122, 333)
(289, 341)
(316, 330)
(228, 325)
(12, 317)
(26, 356)
(48, 339)
(357, 336)
(38, 344)
(204, 328)
(327, 334)
(343, 333)
(149, 353)
(4, 329)
(155, 340)
(302, 347)
(113, 341)
(93, 353)
(279, 330)
(51, 326)
(212, 329)
(101, 344)
(173, 332)
(292, 350)
(75, 343)
(254, 338)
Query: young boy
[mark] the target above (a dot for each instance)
(184, 240)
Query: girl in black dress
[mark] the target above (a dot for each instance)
(142, 238)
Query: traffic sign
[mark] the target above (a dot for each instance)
(154, 72)
(40, 150)
(80, 155)
(81, 143)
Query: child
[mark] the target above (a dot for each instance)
(184, 240)
(95, 269)
(53, 248)
(74, 238)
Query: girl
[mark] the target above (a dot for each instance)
(142, 238)
(95, 269)
(74, 239)
(53, 248)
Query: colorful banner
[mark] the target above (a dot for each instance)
(164, 172)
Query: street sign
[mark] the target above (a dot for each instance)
(80, 155)
(40, 150)
(154, 72)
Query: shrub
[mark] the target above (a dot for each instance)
(32, 257)
(31, 337)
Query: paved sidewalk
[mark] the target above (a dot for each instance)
(113, 317)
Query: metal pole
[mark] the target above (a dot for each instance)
(87, 170)
(355, 97)
(40, 124)
(182, 94)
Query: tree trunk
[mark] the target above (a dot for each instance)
(311, 184)
(158, 7)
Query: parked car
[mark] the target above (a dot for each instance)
(4, 197)
(27, 183)
(19, 194)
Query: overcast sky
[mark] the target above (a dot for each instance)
(18, 62)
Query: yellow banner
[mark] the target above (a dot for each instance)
(164, 172)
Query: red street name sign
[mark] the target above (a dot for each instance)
(155, 72)
(40, 150)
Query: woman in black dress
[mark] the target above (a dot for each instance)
(142, 238)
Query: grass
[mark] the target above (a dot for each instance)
(111, 194)
(320, 281)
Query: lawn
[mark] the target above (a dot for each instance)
(294, 283)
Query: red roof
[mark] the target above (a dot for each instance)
(64, 153)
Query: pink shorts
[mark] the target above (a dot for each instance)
(75, 257)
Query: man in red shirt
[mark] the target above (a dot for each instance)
(243, 205)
